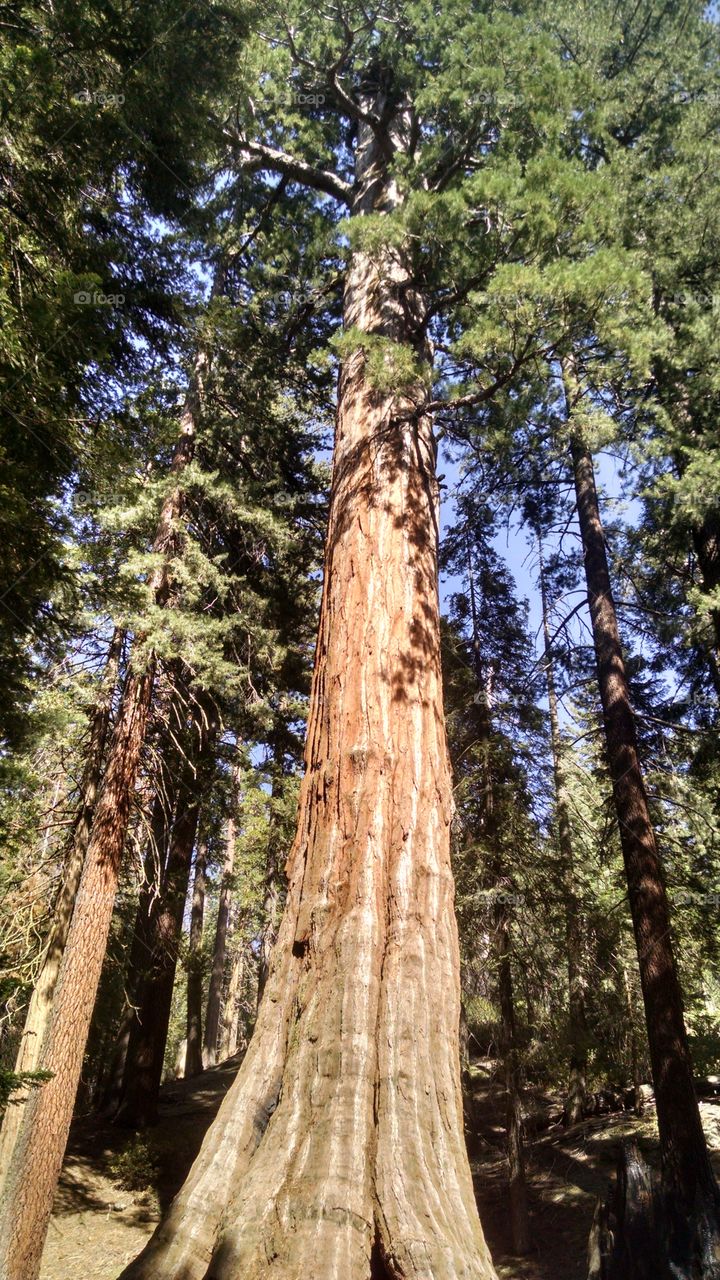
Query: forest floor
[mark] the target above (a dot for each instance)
(98, 1225)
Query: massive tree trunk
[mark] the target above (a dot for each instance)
(692, 1203)
(40, 1006)
(193, 1044)
(577, 1024)
(37, 1158)
(339, 1150)
(217, 972)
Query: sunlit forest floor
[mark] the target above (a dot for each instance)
(100, 1222)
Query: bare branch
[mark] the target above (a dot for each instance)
(257, 155)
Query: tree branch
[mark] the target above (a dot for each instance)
(479, 397)
(257, 155)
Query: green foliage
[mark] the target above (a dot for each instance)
(136, 1166)
(11, 1081)
(389, 366)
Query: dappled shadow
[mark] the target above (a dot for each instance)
(384, 472)
(567, 1171)
(186, 1110)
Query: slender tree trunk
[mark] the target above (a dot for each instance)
(515, 1127)
(639, 1101)
(217, 972)
(40, 1006)
(339, 1149)
(37, 1157)
(271, 897)
(691, 1191)
(139, 959)
(231, 1013)
(38, 1154)
(577, 1024)
(148, 1037)
(519, 1219)
(193, 1049)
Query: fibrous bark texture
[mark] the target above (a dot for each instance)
(40, 1006)
(146, 1049)
(339, 1150)
(37, 1157)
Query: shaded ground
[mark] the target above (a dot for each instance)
(98, 1227)
(567, 1170)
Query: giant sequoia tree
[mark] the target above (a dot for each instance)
(341, 1139)
(435, 206)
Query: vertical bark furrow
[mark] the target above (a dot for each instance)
(40, 1007)
(363, 1163)
(48, 1113)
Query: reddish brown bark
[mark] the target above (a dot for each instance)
(40, 1006)
(40, 1146)
(339, 1150)
(692, 1197)
(148, 1036)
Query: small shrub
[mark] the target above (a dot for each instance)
(135, 1167)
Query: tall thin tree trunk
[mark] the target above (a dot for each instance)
(339, 1149)
(40, 1146)
(148, 1037)
(271, 896)
(217, 971)
(515, 1126)
(519, 1218)
(193, 1048)
(639, 1101)
(38, 1154)
(577, 1024)
(139, 958)
(691, 1192)
(39, 1009)
(228, 1042)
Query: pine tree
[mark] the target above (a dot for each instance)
(40, 1145)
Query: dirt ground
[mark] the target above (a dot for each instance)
(98, 1227)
